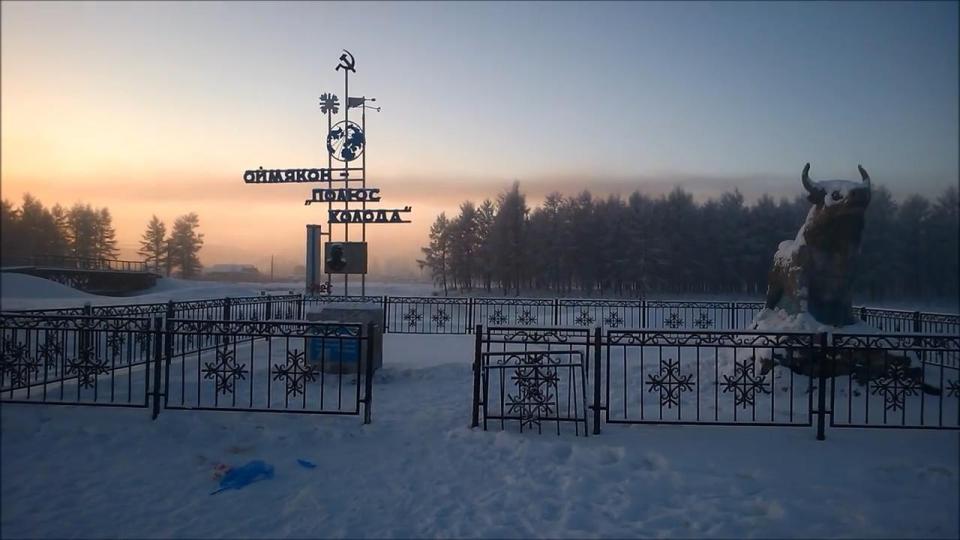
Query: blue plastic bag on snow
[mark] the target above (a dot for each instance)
(239, 477)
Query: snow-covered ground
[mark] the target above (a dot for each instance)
(419, 471)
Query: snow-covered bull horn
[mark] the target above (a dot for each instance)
(864, 176)
(810, 185)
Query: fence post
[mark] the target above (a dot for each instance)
(300, 306)
(822, 362)
(733, 315)
(368, 384)
(171, 311)
(556, 311)
(86, 336)
(157, 358)
(469, 324)
(386, 306)
(596, 380)
(863, 313)
(226, 317)
(917, 326)
(269, 314)
(168, 340)
(477, 349)
(643, 313)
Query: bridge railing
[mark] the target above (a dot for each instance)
(76, 263)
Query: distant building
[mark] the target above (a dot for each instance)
(232, 272)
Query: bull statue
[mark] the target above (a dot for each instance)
(814, 272)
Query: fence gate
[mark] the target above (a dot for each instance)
(532, 379)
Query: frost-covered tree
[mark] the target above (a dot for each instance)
(153, 243)
(436, 256)
(184, 246)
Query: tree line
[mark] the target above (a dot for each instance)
(87, 232)
(671, 244)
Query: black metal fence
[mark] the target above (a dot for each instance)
(77, 360)
(895, 381)
(714, 378)
(259, 366)
(896, 321)
(683, 377)
(459, 315)
(269, 366)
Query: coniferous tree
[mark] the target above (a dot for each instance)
(153, 243)
(464, 244)
(437, 254)
(106, 236)
(10, 234)
(61, 223)
(82, 224)
(582, 245)
(184, 245)
(486, 214)
(944, 239)
(508, 237)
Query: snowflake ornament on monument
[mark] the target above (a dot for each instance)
(329, 103)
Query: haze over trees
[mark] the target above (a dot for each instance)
(31, 229)
(88, 232)
(637, 245)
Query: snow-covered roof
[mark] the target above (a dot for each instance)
(231, 268)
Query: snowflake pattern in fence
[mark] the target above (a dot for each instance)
(412, 316)
(497, 317)
(88, 367)
(613, 319)
(115, 341)
(226, 370)
(536, 391)
(526, 318)
(670, 383)
(584, 318)
(296, 373)
(703, 321)
(674, 320)
(953, 388)
(895, 386)
(745, 384)
(440, 318)
(50, 351)
(16, 366)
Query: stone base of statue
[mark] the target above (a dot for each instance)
(863, 365)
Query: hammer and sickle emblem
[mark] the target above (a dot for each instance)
(347, 62)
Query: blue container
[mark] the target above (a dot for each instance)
(329, 350)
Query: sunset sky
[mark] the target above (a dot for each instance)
(160, 107)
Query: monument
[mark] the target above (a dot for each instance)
(810, 285)
(346, 144)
